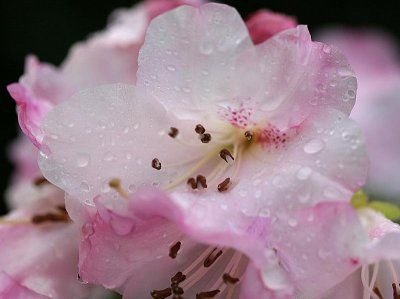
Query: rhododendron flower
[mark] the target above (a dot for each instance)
(374, 56)
(235, 142)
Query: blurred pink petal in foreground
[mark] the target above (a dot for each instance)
(375, 59)
(260, 132)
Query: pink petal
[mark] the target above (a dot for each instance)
(30, 111)
(317, 247)
(131, 254)
(264, 23)
(302, 77)
(214, 37)
(94, 137)
(378, 69)
(24, 157)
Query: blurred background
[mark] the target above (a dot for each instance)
(48, 28)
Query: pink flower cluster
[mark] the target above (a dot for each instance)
(185, 153)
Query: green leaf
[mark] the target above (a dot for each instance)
(389, 210)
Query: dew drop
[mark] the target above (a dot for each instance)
(82, 160)
(171, 68)
(132, 188)
(108, 156)
(331, 192)
(304, 173)
(314, 146)
(85, 187)
(323, 254)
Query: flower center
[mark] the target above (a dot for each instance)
(226, 154)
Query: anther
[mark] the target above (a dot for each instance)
(201, 179)
(210, 294)
(156, 164)
(161, 294)
(229, 279)
(173, 132)
(173, 251)
(378, 292)
(199, 129)
(192, 183)
(248, 135)
(178, 278)
(212, 258)
(40, 181)
(224, 185)
(205, 138)
(224, 154)
(177, 290)
(116, 185)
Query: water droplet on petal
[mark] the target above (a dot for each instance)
(304, 173)
(82, 160)
(314, 146)
(171, 68)
(85, 187)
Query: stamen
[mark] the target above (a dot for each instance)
(396, 295)
(210, 294)
(229, 279)
(226, 154)
(14, 221)
(192, 183)
(173, 251)
(212, 258)
(374, 276)
(248, 135)
(205, 138)
(40, 181)
(156, 164)
(365, 281)
(173, 132)
(201, 179)
(161, 294)
(178, 278)
(116, 185)
(199, 129)
(50, 217)
(224, 185)
(378, 292)
(394, 275)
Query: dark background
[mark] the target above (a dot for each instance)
(47, 28)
